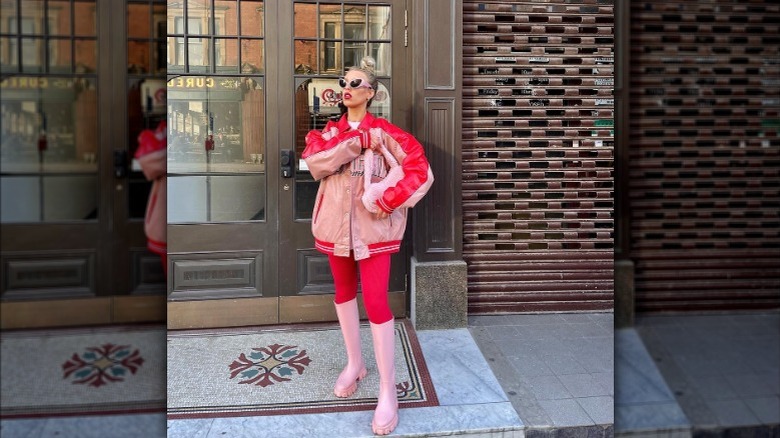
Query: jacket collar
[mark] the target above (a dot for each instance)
(366, 123)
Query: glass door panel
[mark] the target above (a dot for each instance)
(216, 140)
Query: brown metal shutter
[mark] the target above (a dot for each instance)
(538, 155)
(704, 167)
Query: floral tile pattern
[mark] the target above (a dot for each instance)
(274, 363)
(99, 366)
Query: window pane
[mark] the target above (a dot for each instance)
(138, 21)
(59, 17)
(252, 13)
(175, 14)
(198, 17)
(9, 54)
(305, 20)
(330, 21)
(60, 56)
(379, 23)
(86, 56)
(355, 22)
(226, 55)
(381, 52)
(48, 198)
(138, 57)
(32, 17)
(305, 57)
(49, 132)
(84, 15)
(32, 55)
(330, 58)
(198, 52)
(252, 56)
(353, 53)
(380, 106)
(231, 110)
(226, 17)
(216, 198)
(8, 11)
(175, 53)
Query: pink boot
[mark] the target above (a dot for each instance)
(386, 414)
(349, 320)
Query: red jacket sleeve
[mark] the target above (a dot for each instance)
(417, 175)
(324, 155)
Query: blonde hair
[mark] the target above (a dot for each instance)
(368, 67)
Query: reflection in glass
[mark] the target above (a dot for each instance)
(251, 18)
(138, 60)
(353, 53)
(379, 23)
(9, 59)
(176, 56)
(381, 53)
(225, 12)
(251, 56)
(198, 17)
(32, 59)
(175, 12)
(138, 20)
(47, 198)
(305, 57)
(84, 18)
(86, 56)
(8, 9)
(305, 20)
(32, 17)
(60, 55)
(330, 21)
(198, 52)
(216, 198)
(226, 55)
(59, 17)
(48, 149)
(229, 111)
(355, 22)
(330, 57)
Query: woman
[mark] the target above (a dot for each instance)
(358, 230)
(151, 155)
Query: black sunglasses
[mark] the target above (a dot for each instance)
(354, 83)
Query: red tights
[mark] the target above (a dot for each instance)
(374, 275)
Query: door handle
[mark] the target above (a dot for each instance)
(120, 163)
(287, 162)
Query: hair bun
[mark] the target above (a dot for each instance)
(368, 63)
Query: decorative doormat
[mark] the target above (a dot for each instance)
(281, 371)
(84, 371)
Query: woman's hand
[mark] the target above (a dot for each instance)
(381, 214)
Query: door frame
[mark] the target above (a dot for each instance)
(97, 252)
(273, 308)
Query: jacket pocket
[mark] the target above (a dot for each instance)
(317, 210)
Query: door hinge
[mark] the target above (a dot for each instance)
(406, 28)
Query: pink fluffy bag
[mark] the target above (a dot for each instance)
(374, 191)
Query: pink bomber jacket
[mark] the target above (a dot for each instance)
(340, 221)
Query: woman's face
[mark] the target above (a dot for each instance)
(355, 97)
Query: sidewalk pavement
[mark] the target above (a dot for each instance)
(543, 375)
(699, 375)
(556, 368)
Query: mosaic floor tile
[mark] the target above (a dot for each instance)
(275, 371)
(84, 371)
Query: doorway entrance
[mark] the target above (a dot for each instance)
(75, 95)
(247, 81)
